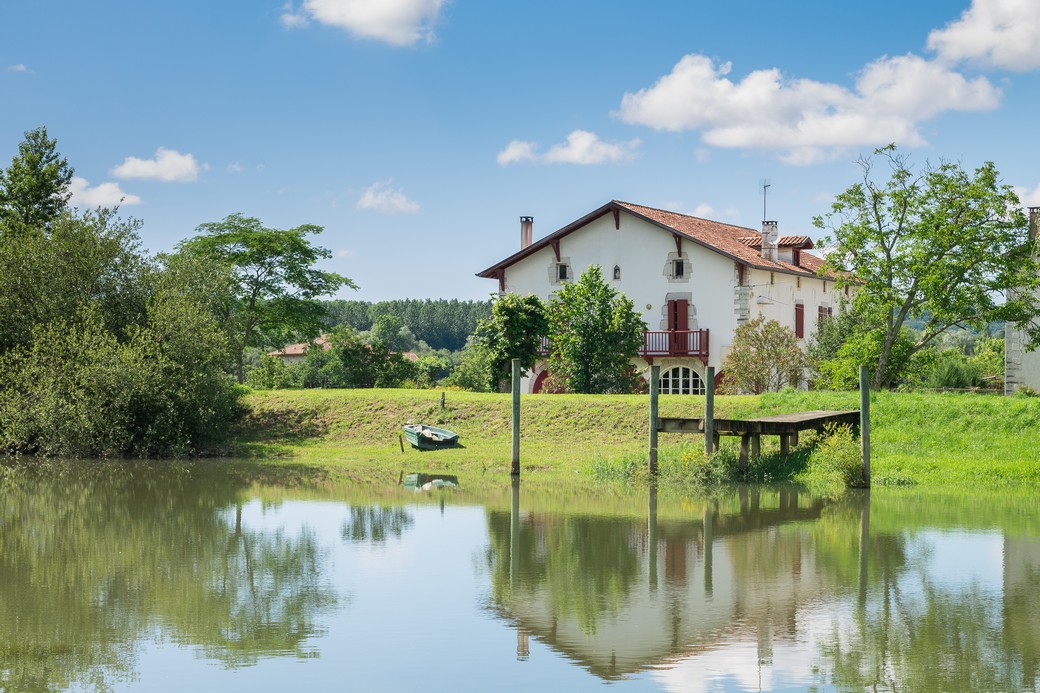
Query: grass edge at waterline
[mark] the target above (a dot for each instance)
(918, 439)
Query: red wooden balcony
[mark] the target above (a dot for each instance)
(667, 343)
(676, 343)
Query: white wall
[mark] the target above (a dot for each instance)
(642, 251)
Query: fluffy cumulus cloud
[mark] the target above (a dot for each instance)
(168, 165)
(1029, 198)
(381, 197)
(102, 195)
(581, 147)
(397, 22)
(806, 120)
(999, 33)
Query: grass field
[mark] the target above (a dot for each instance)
(925, 440)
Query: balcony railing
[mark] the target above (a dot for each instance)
(676, 343)
(666, 343)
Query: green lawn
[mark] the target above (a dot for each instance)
(926, 440)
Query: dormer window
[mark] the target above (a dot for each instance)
(617, 273)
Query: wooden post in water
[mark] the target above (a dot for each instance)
(655, 386)
(514, 532)
(651, 538)
(709, 412)
(516, 418)
(864, 422)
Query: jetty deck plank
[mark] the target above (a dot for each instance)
(780, 424)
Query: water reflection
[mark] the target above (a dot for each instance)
(722, 587)
(492, 585)
(95, 557)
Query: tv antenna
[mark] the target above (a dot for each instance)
(765, 185)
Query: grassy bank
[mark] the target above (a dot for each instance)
(927, 440)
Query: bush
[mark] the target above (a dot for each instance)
(836, 460)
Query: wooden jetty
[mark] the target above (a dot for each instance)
(786, 426)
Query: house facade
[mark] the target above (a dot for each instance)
(693, 280)
(1021, 366)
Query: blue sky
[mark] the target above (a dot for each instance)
(417, 132)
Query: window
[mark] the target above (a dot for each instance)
(825, 287)
(796, 257)
(681, 380)
(799, 320)
(798, 282)
(562, 272)
(771, 279)
(678, 269)
(825, 313)
(617, 273)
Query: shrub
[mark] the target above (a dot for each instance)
(835, 459)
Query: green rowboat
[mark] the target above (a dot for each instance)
(430, 438)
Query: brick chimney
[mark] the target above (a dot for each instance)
(526, 231)
(769, 236)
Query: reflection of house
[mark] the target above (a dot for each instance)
(295, 353)
(693, 280)
(695, 584)
(1021, 367)
(1021, 614)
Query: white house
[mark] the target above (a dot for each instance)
(1021, 367)
(694, 280)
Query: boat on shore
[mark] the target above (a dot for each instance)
(430, 438)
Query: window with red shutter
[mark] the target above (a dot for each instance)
(799, 320)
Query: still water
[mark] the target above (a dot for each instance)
(224, 576)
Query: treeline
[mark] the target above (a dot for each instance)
(441, 323)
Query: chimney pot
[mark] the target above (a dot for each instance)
(769, 237)
(526, 231)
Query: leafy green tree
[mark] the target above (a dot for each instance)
(945, 246)
(593, 333)
(515, 330)
(276, 283)
(473, 370)
(35, 187)
(764, 357)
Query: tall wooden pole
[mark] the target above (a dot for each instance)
(516, 418)
(864, 422)
(655, 386)
(709, 412)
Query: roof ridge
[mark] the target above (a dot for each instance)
(688, 216)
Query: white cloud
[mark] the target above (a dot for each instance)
(344, 252)
(804, 119)
(380, 197)
(1000, 33)
(103, 195)
(582, 147)
(234, 167)
(1028, 198)
(516, 151)
(18, 68)
(397, 22)
(703, 210)
(168, 165)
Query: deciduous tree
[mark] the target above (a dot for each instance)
(277, 283)
(594, 331)
(764, 357)
(514, 330)
(942, 245)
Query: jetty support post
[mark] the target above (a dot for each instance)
(515, 471)
(655, 386)
(864, 422)
(709, 411)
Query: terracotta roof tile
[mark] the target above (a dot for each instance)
(803, 242)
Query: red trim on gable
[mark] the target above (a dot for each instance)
(556, 247)
(678, 243)
(617, 218)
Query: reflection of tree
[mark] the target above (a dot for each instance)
(585, 565)
(375, 523)
(94, 557)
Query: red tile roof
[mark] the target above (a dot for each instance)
(727, 239)
(803, 242)
(300, 349)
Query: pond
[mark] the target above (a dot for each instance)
(230, 576)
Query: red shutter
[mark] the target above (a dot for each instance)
(682, 314)
(799, 320)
